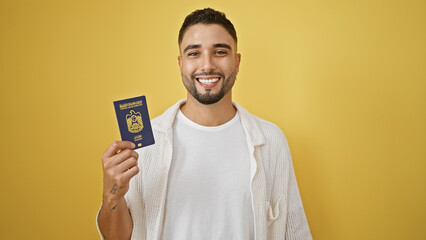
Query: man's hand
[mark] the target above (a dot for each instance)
(119, 166)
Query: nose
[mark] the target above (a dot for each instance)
(207, 63)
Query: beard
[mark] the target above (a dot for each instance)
(208, 97)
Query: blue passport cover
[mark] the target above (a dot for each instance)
(133, 121)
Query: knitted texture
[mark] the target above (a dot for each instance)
(277, 206)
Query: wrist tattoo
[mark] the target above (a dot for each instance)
(114, 207)
(114, 188)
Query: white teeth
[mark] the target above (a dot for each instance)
(208, 81)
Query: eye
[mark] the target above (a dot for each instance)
(193, 54)
(221, 52)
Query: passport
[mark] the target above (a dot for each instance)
(133, 121)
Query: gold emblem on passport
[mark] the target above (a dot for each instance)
(134, 122)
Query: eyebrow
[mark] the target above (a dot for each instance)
(189, 47)
(192, 46)
(222, 45)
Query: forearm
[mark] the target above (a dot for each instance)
(114, 220)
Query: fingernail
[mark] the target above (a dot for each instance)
(133, 145)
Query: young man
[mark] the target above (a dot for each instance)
(215, 171)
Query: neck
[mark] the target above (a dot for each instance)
(209, 115)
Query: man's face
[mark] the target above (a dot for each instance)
(208, 62)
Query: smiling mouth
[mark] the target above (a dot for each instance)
(208, 81)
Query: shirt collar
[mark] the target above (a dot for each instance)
(164, 123)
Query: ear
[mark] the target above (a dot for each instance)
(180, 61)
(238, 60)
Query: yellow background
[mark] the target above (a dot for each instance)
(345, 80)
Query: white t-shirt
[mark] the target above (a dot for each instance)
(208, 193)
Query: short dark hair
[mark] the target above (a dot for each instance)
(207, 16)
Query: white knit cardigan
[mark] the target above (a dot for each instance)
(276, 203)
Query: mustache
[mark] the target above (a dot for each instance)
(193, 76)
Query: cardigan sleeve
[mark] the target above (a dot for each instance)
(286, 216)
(97, 225)
(297, 224)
